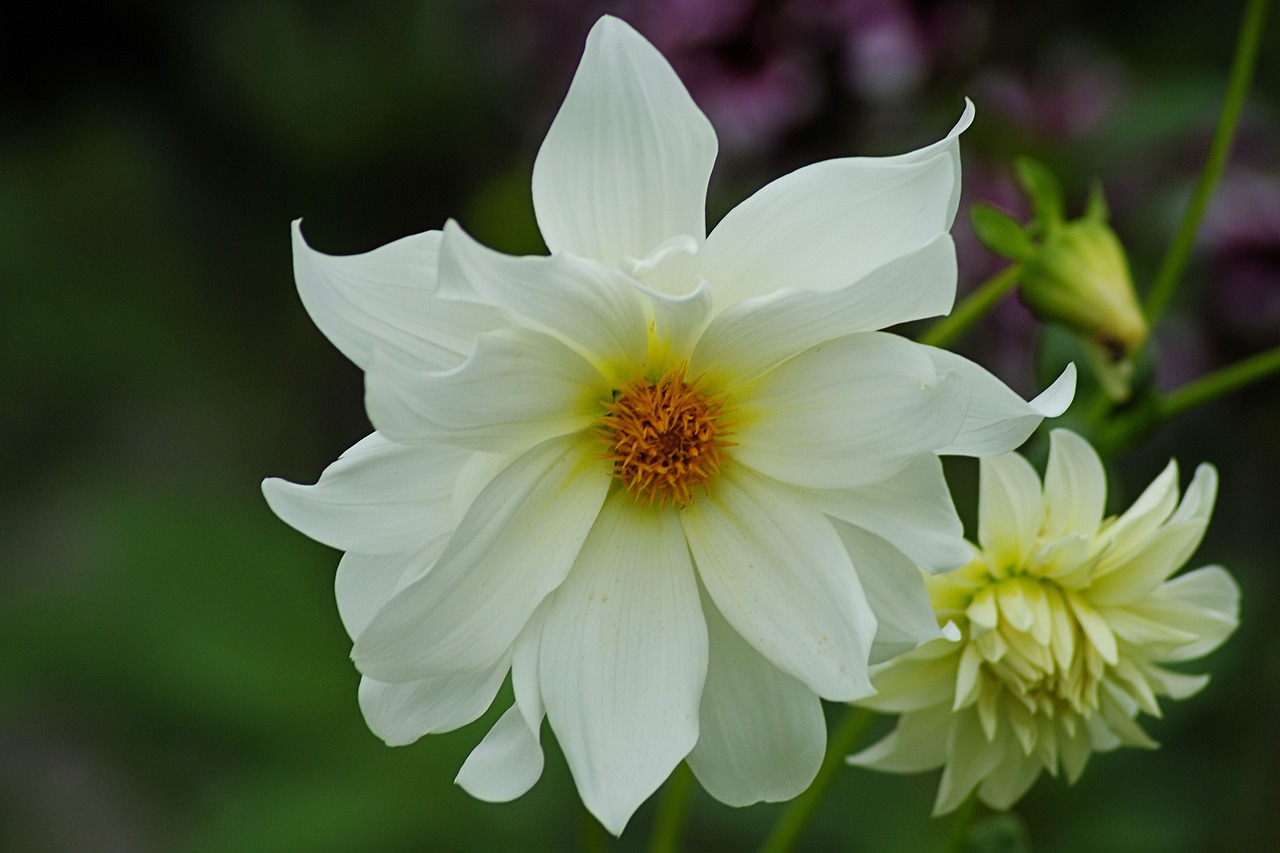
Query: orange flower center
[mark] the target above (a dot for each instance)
(666, 438)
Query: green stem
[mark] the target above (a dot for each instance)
(672, 811)
(593, 836)
(800, 811)
(972, 308)
(1220, 382)
(958, 840)
(1233, 103)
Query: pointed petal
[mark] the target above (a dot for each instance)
(377, 498)
(626, 162)
(895, 590)
(846, 413)
(1205, 602)
(827, 225)
(1075, 486)
(512, 548)
(366, 582)
(386, 298)
(518, 388)
(916, 744)
(971, 759)
(403, 712)
(911, 509)
(589, 306)
(762, 732)
(999, 420)
(623, 659)
(505, 764)
(781, 577)
(916, 680)
(752, 336)
(1010, 509)
(1011, 779)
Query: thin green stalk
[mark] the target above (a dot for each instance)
(958, 839)
(972, 308)
(1220, 382)
(592, 833)
(1242, 67)
(789, 829)
(672, 811)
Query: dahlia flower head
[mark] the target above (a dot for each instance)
(1067, 621)
(676, 485)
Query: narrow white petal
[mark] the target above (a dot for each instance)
(386, 298)
(1075, 486)
(828, 224)
(403, 712)
(513, 547)
(1130, 531)
(846, 413)
(916, 744)
(377, 498)
(623, 659)
(1010, 509)
(782, 578)
(999, 420)
(762, 732)
(506, 763)
(911, 509)
(518, 388)
(916, 680)
(591, 307)
(752, 336)
(626, 162)
(895, 590)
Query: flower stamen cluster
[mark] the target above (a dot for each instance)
(666, 438)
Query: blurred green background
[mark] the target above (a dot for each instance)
(174, 673)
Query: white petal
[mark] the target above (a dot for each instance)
(590, 306)
(518, 388)
(403, 712)
(623, 659)
(828, 224)
(513, 547)
(999, 420)
(916, 744)
(677, 323)
(1075, 486)
(752, 336)
(377, 498)
(780, 575)
(846, 413)
(1010, 509)
(895, 590)
(911, 509)
(385, 298)
(1131, 530)
(1205, 602)
(762, 732)
(916, 680)
(366, 582)
(626, 162)
(506, 763)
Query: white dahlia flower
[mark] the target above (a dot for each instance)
(675, 484)
(1066, 621)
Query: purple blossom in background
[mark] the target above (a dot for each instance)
(762, 70)
(1241, 233)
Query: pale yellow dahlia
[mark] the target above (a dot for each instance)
(1066, 621)
(675, 484)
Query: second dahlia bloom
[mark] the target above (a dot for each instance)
(675, 484)
(1067, 621)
